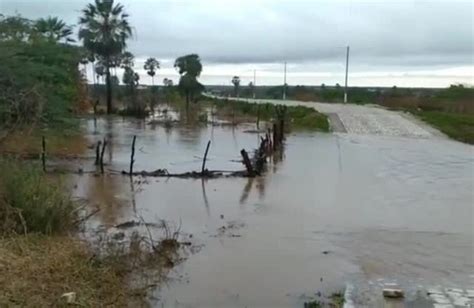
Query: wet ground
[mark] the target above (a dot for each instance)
(334, 210)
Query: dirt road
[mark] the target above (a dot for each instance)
(365, 119)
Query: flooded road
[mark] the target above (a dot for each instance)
(333, 210)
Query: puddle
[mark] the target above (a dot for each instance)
(332, 209)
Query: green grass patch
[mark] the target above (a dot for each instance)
(299, 116)
(455, 125)
(30, 202)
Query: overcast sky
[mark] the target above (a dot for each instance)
(393, 42)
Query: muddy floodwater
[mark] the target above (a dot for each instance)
(334, 210)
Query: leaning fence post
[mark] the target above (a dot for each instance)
(247, 163)
(205, 157)
(43, 154)
(275, 136)
(97, 153)
(102, 156)
(132, 157)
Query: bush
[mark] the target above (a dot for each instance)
(40, 82)
(30, 202)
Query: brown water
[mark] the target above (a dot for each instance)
(334, 210)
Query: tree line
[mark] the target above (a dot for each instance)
(104, 31)
(40, 79)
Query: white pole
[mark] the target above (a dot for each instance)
(284, 83)
(347, 71)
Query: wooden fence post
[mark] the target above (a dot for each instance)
(247, 163)
(132, 157)
(275, 136)
(203, 169)
(97, 153)
(104, 144)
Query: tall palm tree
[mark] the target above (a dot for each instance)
(190, 68)
(151, 65)
(54, 29)
(127, 60)
(99, 71)
(104, 31)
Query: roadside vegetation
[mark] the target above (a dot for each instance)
(335, 300)
(451, 110)
(43, 261)
(299, 117)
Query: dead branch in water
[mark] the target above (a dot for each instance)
(208, 174)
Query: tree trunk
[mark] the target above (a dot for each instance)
(187, 99)
(94, 92)
(109, 88)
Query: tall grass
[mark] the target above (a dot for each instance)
(32, 203)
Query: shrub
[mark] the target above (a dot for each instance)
(30, 202)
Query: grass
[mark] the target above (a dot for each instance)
(27, 143)
(455, 125)
(299, 116)
(30, 202)
(35, 270)
(335, 300)
(40, 259)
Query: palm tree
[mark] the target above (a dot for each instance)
(189, 67)
(104, 31)
(99, 71)
(236, 83)
(168, 83)
(54, 29)
(151, 65)
(127, 60)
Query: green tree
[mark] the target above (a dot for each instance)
(15, 28)
(104, 31)
(54, 29)
(236, 83)
(151, 65)
(127, 59)
(168, 83)
(190, 68)
(130, 79)
(99, 71)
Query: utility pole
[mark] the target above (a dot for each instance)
(284, 83)
(254, 82)
(347, 71)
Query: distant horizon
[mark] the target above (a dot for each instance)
(407, 43)
(271, 79)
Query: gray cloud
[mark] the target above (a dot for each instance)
(382, 34)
